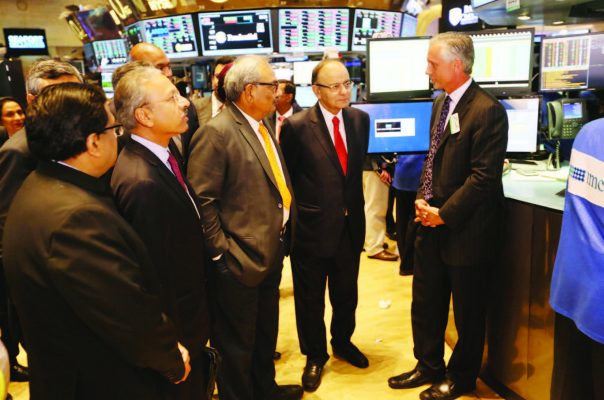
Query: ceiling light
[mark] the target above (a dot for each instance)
(557, 22)
(524, 17)
(219, 1)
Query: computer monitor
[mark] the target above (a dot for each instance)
(523, 121)
(133, 34)
(98, 24)
(305, 97)
(283, 70)
(355, 69)
(110, 52)
(303, 72)
(369, 22)
(200, 77)
(392, 74)
(572, 62)
(503, 60)
(175, 35)
(106, 83)
(409, 25)
(398, 127)
(304, 30)
(236, 32)
(25, 42)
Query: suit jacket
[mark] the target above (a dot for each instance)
(16, 163)
(204, 109)
(150, 198)
(466, 178)
(271, 120)
(242, 210)
(327, 200)
(85, 291)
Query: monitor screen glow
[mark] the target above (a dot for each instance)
(305, 97)
(98, 24)
(523, 120)
(369, 22)
(110, 52)
(25, 42)
(313, 29)
(398, 127)
(392, 76)
(303, 72)
(175, 35)
(237, 32)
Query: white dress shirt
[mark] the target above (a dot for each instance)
(329, 122)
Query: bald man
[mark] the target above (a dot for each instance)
(156, 56)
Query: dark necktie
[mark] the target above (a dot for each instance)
(436, 139)
(339, 143)
(176, 170)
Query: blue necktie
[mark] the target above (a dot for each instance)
(436, 139)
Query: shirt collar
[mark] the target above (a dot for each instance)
(459, 92)
(328, 115)
(253, 123)
(161, 152)
(286, 114)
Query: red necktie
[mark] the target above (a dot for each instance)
(280, 119)
(339, 142)
(176, 169)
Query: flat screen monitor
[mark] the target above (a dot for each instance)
(98, 24)
(523, 120)
(25, 42)
(133, 34)
(236, 32)
(355, 69)
(283, 70)
(305, 97)
(503, 60)
(398, 127)
(303, 72)
(409, 25)
(307, 30)
(199, 77)
(106, 83)
(572, 62)
(175, 35)
(369, 22)
(392, 74)
(110, 52)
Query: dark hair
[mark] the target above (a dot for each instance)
(319, 67)
(224, 60)
(220, 93)
(289, 88)
(4, 100)
(61, 117)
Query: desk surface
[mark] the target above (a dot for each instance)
(536, 190)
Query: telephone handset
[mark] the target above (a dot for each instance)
(566, 117)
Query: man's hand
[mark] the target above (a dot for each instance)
(186, 360)
(427, 215)
(385, 177)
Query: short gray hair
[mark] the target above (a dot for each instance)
(130, 94)
(124, 69)
(49, 69)
(243, 72)
(458, 45)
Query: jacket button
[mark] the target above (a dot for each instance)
(280, 205)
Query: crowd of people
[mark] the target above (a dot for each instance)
(138, 230)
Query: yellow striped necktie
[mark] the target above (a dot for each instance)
(272, 160)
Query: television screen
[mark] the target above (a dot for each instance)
(236, 32)
(390, 75)
(503, 60)
(199, 77)
(110, 52)
(305, 97)
(369, 22)
(409, 25)
(106, 83)
(572, 62)
(133, 34)
(303, 72)
(398, 127)
(523, 120)
(355, 69)
(25, 42)
(313, 29)
(175, 35)
(98, 24)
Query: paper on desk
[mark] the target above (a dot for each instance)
(533, 176)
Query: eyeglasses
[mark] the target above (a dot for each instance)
(117, 128)
(334, 87)
(174, 98)
(274, 84)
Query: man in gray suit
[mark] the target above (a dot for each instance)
(238, 172)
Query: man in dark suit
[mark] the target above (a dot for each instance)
(156, 56)
(16, 163)
(154, 197)
(209, 107)
(80, 277)
(324, 148)
(239, 175)
(285, 106)
(460, 206)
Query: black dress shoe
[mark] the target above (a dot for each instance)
(19, 373)
(287, 392)
(311, 377)
(350, 353)
(446, 390)
(414, 378)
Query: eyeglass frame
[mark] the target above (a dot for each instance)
(274, 84)
(347, 84)
(117, 128)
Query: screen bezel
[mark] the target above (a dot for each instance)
(363, 48)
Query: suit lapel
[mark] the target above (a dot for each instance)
(252, 138)
(162, 170)
(321, 132)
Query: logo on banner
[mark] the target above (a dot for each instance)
(462, 16)
(586, 177)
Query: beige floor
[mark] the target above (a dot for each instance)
(383, 333)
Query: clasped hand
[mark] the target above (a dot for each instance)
(426, 214)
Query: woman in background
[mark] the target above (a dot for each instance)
(12, 117)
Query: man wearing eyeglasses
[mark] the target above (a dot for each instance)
(324, 148)
(239, 175)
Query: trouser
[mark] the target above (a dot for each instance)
(376, 204)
